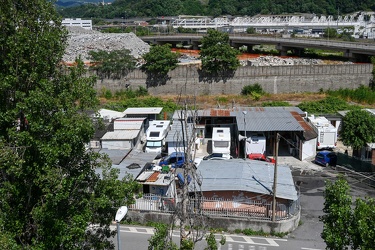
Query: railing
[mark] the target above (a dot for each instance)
(245, 208)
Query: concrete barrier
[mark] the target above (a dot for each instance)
(273, 79)
(226, 223)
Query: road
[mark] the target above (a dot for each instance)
(137, 238)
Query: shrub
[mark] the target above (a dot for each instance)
(108, 94)
(251, 89)
(276, 104)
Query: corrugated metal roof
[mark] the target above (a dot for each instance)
(144, 176)
(308, 132)
(121, 135)
(156, 178)
(237, 174)
(143, 111)
(133, 164)
(116, 155)
(128, 123)
(175, 134)
(108, 114)
(268, 119)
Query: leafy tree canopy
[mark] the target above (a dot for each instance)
(50, 190)
(358, 128)
(153, 8)
(216, 54)
(160, 59)
(112, 64)
(347, 225)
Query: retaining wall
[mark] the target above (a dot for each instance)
(226, 223)
(273, 79)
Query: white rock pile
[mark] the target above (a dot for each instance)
(280, 61)
(81, 41)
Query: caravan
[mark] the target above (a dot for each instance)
(221, 140)
(327, 133)
(155, 135)
(255, 144)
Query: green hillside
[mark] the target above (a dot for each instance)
(154, 8)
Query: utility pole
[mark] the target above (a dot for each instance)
(275, 179)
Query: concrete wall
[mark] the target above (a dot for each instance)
(228, 224)
(273, 79)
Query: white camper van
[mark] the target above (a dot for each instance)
(327, 133)
(221, 140)
(256, 144)
(155, 135)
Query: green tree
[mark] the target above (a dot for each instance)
(347, 226)
(250, 30)
(217, 55)
(358, 128)
(330, 33)
(112, 64)
(338, 215)
(362, 228)
(52, 197)
(160, 59)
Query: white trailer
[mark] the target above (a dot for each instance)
(221, 140)
(327, 133)
(256, 143)
(155, 135)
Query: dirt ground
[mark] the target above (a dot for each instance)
(229, 101)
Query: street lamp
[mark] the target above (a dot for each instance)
(121, 212)
(244, 120)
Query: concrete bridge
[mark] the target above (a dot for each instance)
(356, 51)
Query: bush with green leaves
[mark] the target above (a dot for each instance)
(361, 94)
(251, 89)
(276, 104)
(329, 105)
(250, 30)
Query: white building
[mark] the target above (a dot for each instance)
(77, 22)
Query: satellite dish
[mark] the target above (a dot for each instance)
(121, 212)
(241, 137)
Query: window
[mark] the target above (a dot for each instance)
(155, 144)
(154, 134)
(221, 144)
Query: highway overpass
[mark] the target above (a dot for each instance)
(355, 51)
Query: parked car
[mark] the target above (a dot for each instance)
(261, 157)
(176, 160)
(326, 158)
(217, 156)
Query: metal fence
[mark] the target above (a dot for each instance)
(210, 207)
(363, 169)
(354, 163)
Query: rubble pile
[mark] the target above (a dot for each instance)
(279, 61)
(81, 41)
